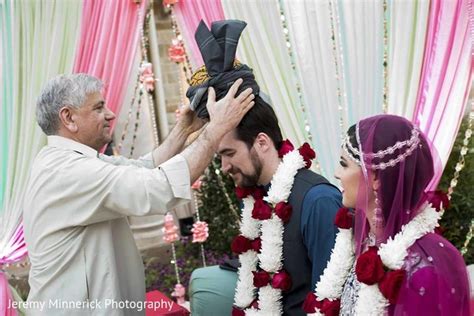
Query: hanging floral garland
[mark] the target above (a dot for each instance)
(144, 85)
(299, 90)
(200, 228)
(457, 171)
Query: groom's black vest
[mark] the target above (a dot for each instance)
(296, 261)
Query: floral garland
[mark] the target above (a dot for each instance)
(260, 243)
(378, 269)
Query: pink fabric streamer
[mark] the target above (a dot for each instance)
(108, 42)
(14, 251)
(188, 15)
(447, 43)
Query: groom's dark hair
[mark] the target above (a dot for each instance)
(260, 119)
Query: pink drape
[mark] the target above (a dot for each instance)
(108, 42)
(446, 75)
(14, 251)
(188, 15)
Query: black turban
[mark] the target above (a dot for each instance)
(218, 47)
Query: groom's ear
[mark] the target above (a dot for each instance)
(263, 143)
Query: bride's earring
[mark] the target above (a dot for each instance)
(378, 214)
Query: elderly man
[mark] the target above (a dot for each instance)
(83, 255)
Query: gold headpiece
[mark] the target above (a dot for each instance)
(200, 76)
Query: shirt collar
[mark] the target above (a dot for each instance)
(67, 143)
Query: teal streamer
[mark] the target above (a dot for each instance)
(7, 93)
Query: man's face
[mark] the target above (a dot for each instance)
(93, 120)
(242, 163)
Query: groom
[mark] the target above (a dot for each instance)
(251, 154)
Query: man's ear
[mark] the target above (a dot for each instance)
(262, 142)
(67, 116)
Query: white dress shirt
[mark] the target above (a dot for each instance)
(75, 220)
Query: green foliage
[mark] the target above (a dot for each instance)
(215, 209)
(457, 219)
(223, 226)
(161, 276)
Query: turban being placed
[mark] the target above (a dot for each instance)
(218, 47)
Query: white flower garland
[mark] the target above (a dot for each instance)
(271, 234)
(249, 228)
(340, 263)
(370, 300)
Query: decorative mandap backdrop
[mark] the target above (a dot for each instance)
(325, 64)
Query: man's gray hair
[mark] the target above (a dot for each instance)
(62, 90)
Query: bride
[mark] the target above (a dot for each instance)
(387, 258)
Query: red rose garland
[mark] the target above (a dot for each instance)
(237, 311)
(240, 244)
(242, 193)
(369, 270)
(261, 278)
(283, 210)
(391, 284)
(256, 244)
(379, 267)
(308, 154)
(285, 147)
(281, 280)
(343, 220)
(369, 267)
(310, 303)
(438, 199)
(263, 211)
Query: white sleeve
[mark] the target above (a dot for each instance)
(105, 191)
(145, 161)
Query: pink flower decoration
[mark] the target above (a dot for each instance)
(170, 229)
(197, 184)
(200, 231)
(176, 51)
(147, 77)
(169, 2)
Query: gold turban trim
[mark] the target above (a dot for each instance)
(200, 76)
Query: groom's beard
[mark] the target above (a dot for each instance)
(249, 180)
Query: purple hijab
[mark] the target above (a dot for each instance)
(437, 281)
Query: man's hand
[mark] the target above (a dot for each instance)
(188, 122)
(227, 113)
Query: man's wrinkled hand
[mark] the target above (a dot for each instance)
(188, 121)
(227, 113)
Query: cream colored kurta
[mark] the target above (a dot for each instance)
(77, 234)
